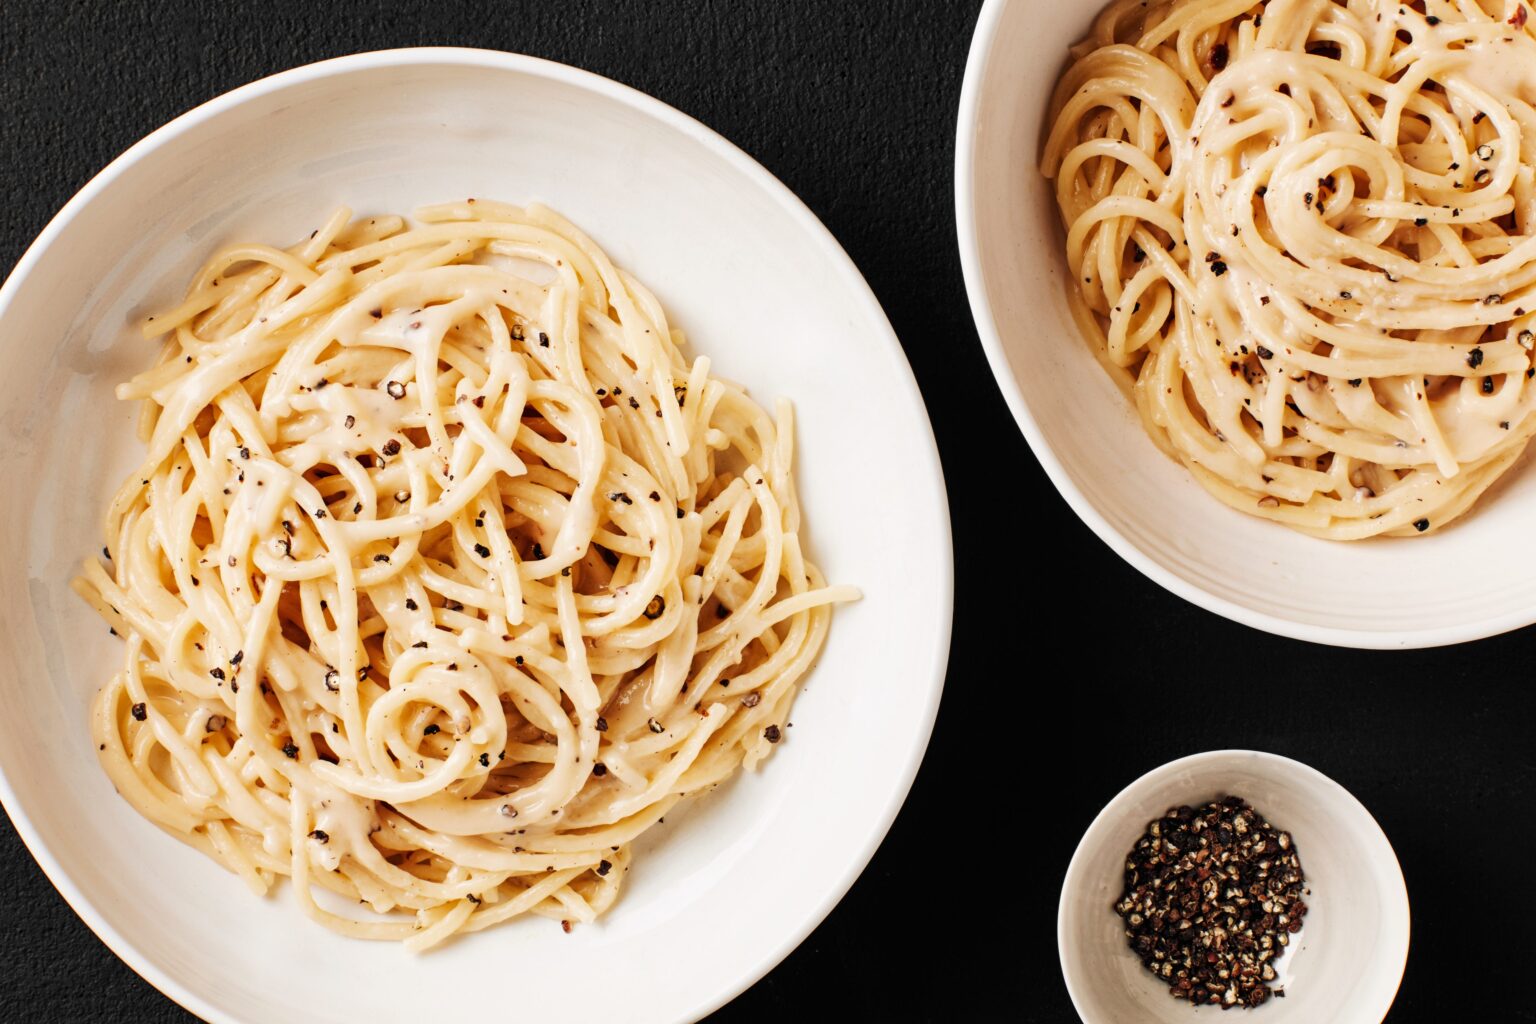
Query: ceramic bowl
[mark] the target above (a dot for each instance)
(725, 890)
(1388, 593)
(1344, 965)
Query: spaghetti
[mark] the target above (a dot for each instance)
(1304, 230)
(445, 575)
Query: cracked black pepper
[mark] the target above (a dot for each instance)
(1212, 897)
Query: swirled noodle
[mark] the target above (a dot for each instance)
(445, 575)
(1303, 229)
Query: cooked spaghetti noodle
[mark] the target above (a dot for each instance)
(1304, 229)
(445, 575)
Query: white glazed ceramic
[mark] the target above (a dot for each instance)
(1343, 967)
(726, 889)
(1444, 588)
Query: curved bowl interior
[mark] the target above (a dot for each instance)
(1344, 965)
(1443, 588)
(728, 887)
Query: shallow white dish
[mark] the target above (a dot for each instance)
(729, 887)
(1439, 589)
(1346, 962)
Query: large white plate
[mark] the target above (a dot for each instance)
(758, 284)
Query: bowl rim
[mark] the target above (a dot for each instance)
(967, 126)
(1388, 868)
(710, 998)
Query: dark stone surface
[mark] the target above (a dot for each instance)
(852, 105)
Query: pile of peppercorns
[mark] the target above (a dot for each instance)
(1212, 897)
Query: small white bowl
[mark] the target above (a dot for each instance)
(1443, 588)
(1344, 966)
(724, 891)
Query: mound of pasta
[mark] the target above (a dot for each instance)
(1304, 230)
(445, 575)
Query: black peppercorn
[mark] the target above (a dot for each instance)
(1211, 897)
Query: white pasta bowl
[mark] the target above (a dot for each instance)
(1473, 579)
(1344, 965)
(726, 888)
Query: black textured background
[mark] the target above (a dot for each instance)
(853, 106)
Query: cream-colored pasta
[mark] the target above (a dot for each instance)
(1304, 229)
(445, 575)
